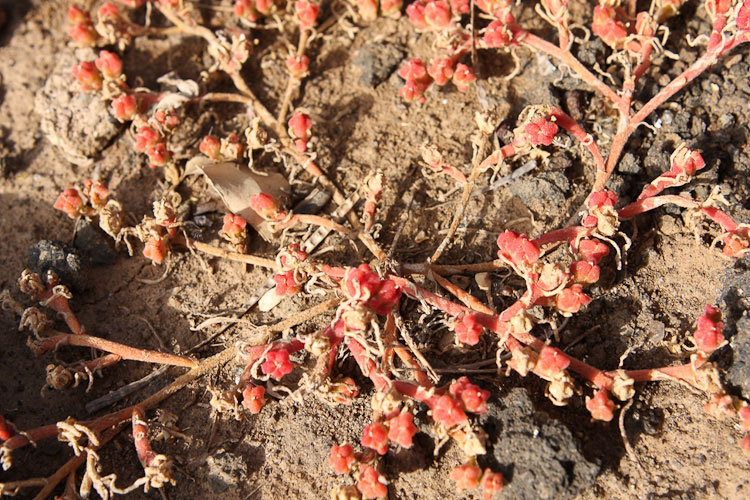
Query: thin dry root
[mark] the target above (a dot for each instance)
(71, 432)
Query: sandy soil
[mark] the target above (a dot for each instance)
(363, 126)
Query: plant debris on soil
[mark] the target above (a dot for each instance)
(664, 445)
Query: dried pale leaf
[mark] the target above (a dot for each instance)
(483, 280)
(189, 88)
(269, 300)
(235, 184)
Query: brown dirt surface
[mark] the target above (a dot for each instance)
(52, 136)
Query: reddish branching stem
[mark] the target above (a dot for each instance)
(47, 344)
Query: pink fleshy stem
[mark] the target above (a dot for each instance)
(696, 69)
(496, 157)
(646, 204)
(468, 299)
(566, 57)
(43, 345)
(403, 353)
(454, 173)
(685, 372)
(568, 123)
(664, 181)
(718, 216)
(293, 82)
(111, 419)
(725, 221)
(368, 366)
(567, 234)
(140, 438)
(61, 305)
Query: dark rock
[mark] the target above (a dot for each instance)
(734, 302)
(539, 457)
(592, 52)
(45, 255)
(739, 373)
(629, 164)
(657, 160)
(376, 62)
(93, 244)
(648, 419)
(541, 193)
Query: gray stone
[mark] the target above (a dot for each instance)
(376, 62)
(539, 457)
(542, 193)
(78, 123)
(628, 164)
(734, 302)
(739, 373)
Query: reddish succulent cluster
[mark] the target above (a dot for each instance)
(601, 213)
(267, 207)
(297, 66)
(227, 149)
(234, 229)
(498, 34)
(399, 429)
(442, 70)
(708, 336)
(253, 10)
(431, 14)
(601, 406)
(342, 458)
(7, 430)
(92, 75)
(292, 278)
(156, 249)
(551, 362)
(286, 283)
(517, 249)
(307, 13)
(253, 398)
(466, 476)
(375, 436)
(365, 286)
(472, 398)
(371, 484)
(417, 80)
(469, 476)
(125, 107)
(467, 329)
(86, 201)
(69, 201)
(609, 24)
(153, 142)
(300, 129)
(541, 132)
(82, 30)
(277, 364)
(448, 411)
